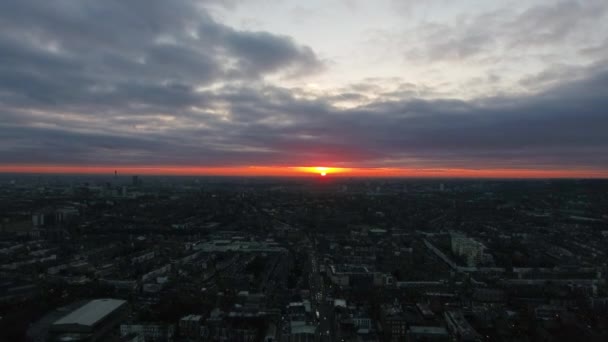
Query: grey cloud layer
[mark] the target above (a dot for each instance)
(164, 83)
(121, 52)
(508, 32)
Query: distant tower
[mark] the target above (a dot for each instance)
(135, 181)
(441, 187)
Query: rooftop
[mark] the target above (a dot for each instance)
(92, 312)
(428, 330)
(195, 318)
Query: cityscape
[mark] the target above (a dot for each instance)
(290, 171)
(138, 258)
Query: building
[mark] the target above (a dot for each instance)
(230, 246)
(302, 333)
(131, 338)
(349, 275)
(427, 334)
(90, 322)
(242, 323)
(190, 326)
(474, 252)
(393, 321)
(53, 216)
(144, 256)
(548, 312)
(362, 322)
(271, 333)
(460, 327)
(150, 331)
(425, 310)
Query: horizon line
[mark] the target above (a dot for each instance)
(307, 171)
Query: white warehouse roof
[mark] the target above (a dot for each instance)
(92, 312)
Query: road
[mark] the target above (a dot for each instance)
(318, 293)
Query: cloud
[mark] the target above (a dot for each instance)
(506, 32)
(599, 51)
(556, 128)
(118, 53)
(165, 83)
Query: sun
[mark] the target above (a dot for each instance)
(322, 170)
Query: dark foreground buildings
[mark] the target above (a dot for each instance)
(195, 259)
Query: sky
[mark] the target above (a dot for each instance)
(277, 87)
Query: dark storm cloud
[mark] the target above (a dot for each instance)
(164, 83)
(119, 52)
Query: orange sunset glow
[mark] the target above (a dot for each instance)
(303, 171)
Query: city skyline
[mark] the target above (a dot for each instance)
(261, 88)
